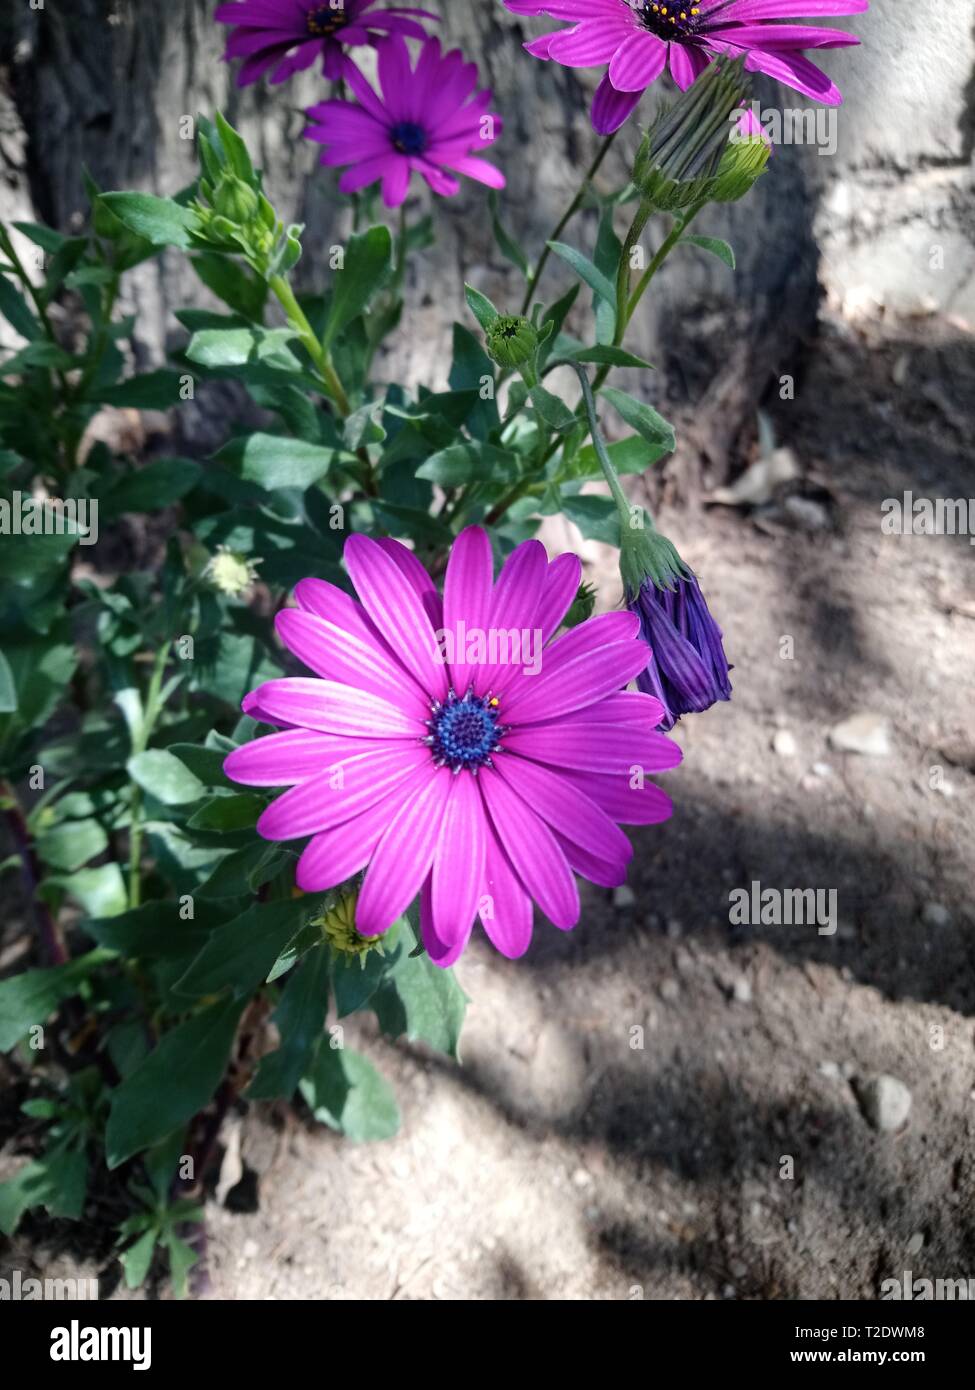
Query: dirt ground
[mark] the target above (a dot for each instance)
(565, 1161)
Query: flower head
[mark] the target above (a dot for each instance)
(687, 670)
(428, 120)
(450, 748)
(230, 572)
(286, 36)
(639, 38)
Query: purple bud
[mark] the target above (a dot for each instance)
(688, 669)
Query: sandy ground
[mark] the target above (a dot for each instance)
(564, 1159)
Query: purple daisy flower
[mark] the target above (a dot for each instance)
(288, 35)
(426, 121)
(688, 670)
(480, 783)
(638, 38)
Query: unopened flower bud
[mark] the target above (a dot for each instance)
(236, 200)
(511, 340)
(338, 927)
(744, 160)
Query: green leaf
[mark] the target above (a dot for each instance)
(31, 997)
(160, 221)
(715, 245)
(508, 247)
(101, 892)
(465, 463)
(480, 306)
(71, 844)
(630, 455)
(152, 391)
(165, 777)
(643, 418)
(274, 461)
(154, 931)
(239, 664)
(235, 149)
(421, 1001)
(14, 308)
(227, 813)
(300, 1018)
(553, 411)
(368, 257)
(182, 1258)
(586, 271)
(244, 871)
(57, 1181)
(355, 981)
(160, 484)
(8, 692)
(175, 1081)
(235, 347)
(241, 291)
(596, 517)
(135, 1261)
(345, 1092)
(204, 761)
(240, 953)
(606, 355)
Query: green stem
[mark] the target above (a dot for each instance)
(567, 217)
(399, 269)
(602, 454)
(318, 353)
(673, 237)
(140, 742)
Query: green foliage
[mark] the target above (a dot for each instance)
(121, 678)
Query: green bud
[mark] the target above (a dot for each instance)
(236, 200)
(512, 341)
(644, 553)
(743, 163)
(681, 154)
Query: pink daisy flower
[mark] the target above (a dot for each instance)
(469, 781)
(288, 35)
(639, 38)
(427, 121)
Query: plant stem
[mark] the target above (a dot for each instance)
(673, 237)
(139, 744)
(319, 354)
(605, 462)
(567, 217)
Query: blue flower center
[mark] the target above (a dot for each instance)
(464, 732)
(669, 21)
(325, 20)
(409, 138)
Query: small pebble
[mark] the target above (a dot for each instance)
(784, 744)
(935, 915)
(669, 991)
(885, 1102)
(742, 990)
